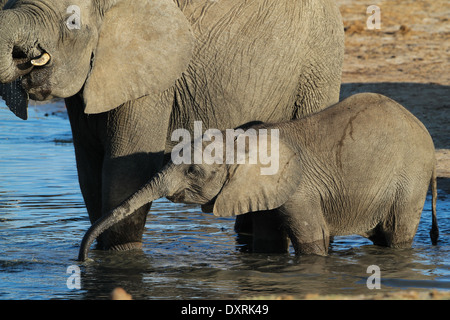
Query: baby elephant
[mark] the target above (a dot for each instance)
(362, 166)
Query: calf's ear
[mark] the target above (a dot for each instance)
(248, 190)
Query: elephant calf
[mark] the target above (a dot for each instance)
(362, 166)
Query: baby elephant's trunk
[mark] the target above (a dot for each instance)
(149, 192)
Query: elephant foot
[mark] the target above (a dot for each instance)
(318, 247)
(113, 244)
(126, 246)
(125, 236)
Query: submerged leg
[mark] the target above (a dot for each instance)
(269, 235)
(399, 227)
(305, 225)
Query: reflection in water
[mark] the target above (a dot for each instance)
(186, 254)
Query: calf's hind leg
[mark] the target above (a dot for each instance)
(399, 227)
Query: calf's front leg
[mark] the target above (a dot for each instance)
(305, 225)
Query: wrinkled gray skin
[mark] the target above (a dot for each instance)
(137, 70)
(362, 166)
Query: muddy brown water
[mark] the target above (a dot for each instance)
(186, 254)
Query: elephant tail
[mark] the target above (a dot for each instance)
(434, 232)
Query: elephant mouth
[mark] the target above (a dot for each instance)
(16, 94)
(26, 64)
(209, 206)
(33, 66)
(176, 198)
(41, 61)
(37, 85)
(184, 197)
(181, 197)
(36, 82)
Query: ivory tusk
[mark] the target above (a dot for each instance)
(41, 61)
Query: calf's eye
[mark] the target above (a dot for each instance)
(191, 170)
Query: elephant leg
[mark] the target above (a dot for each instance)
(320, 80)
(243, 227)
(117, 152)
(399, 227)
(89, 155)
(121, 178)
(269, 235)
(244, 224)
(134, 151)
(306, 226)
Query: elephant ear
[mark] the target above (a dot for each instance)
(143, 48)
(248, 190)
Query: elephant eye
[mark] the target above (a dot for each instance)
(192, 170)
(195, 171)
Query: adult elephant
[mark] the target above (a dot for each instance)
(131, 72)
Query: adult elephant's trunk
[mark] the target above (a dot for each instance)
(17, 51)
(156, 188)
(15, 60)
